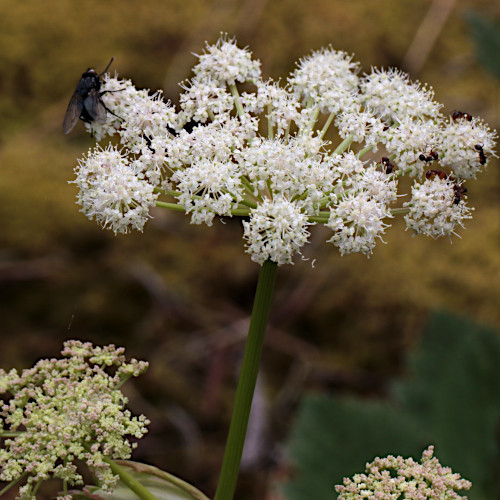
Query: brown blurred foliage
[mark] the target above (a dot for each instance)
(179, 295)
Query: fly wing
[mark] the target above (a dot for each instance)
(95, 107)
(75, 107)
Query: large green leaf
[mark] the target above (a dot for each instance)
(335, 437)
(486, 35)
(450, 397)
(454, 390)
(162, 485)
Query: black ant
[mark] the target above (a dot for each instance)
(433, 156)
(387, 165)
(482, 156)
(461, 115)
(431, 174)
(459, 193)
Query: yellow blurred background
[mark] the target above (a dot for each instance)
(179, 295)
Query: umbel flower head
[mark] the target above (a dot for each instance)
(64, 411)
(393, 478)
(285, 157)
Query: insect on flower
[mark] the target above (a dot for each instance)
(387, 165)
(433, 156)
(461, 115)
(86, 102)
(460, 192)
(482, 156)
(431, 174)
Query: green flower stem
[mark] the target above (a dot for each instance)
(127, 479)
(170, 206)
(364, 151)
(12, 483)
(401, 210)
(248, 203)
(37, 486)
(314, 118)
(250, 188)
(247, 381)
(10, 434)
(327, 125)
(240, 212)
(236, 97)
(270, 130)
(319, 219)
(344, 145)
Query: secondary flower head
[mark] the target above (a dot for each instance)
(436, 207)
(240, 145)
(114, 190)
(226, 63)
(397, 478)
(69, 410)
(328, 78)
(393, 96)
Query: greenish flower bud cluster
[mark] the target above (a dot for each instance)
(393, 478)
(66, 411)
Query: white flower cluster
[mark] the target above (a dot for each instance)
(240, 145)
(436, 207)
(113, 190)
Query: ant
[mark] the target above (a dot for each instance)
(433, 156)
(387, 165)
(461, 115)
(459, 193)
(431, 174)
(482, 156)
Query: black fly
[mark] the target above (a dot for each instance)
(86, 102)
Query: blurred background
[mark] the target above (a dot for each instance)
(178, 295)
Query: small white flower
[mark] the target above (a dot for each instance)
(408, 139)
(204, 98)
(391, 95)
(364, 126)
(112, 191)
(349, 166)
(292, 169)
(226, 63)
(280, 106)
(357, 222)
(276, 231)
(466, 146)
(360, 206)
(436, 208)
(209, 187)
(328, 79)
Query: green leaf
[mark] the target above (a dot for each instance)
(486, 36)
(450, 397)
(335, 437)
(454, 390)
(162, 485)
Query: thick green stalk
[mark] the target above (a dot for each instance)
(246, 385)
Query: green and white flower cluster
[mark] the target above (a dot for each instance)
(393, 478)
(239, 145)
(65, 411)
